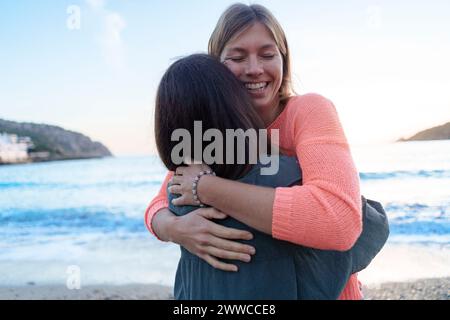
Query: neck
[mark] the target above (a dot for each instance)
(268, 115)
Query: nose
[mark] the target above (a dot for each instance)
(254, 67)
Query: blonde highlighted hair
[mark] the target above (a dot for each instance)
(237, 18)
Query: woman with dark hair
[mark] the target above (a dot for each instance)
(200, 88)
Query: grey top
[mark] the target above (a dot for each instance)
(279, 269)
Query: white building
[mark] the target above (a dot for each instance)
(13, 149)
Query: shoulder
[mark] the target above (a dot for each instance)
(310, 108)
(314, 117)
(309, 102)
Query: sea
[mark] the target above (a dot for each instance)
(88, 215)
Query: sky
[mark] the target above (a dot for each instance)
(93, 66)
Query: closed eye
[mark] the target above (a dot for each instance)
(236, 59)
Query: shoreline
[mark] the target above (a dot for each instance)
(422, 289)
(31, 161)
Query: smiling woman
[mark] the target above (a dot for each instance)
(258, 56)
(322, 213)
(255, 60)
(255, 280)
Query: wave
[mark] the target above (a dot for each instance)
(418, 219)
(69, 220)
(63, 185)
(440, 211)
(404, 218)
(420, 228)
(438, 174)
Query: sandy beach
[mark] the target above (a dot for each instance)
(424, 289)
(91, 292)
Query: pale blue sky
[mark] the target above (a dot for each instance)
(384, 64)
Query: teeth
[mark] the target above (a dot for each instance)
(255, 86)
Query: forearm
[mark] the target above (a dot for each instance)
(157, 204)
(252, 205)
(324, 214)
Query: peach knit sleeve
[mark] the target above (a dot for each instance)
(159, 202)
(324, 212)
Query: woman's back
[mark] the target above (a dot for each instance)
(278, 270)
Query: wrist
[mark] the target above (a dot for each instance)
(203, 188)
(171, 229)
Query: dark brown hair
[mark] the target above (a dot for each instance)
(200, 88)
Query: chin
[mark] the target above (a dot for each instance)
(261, 105)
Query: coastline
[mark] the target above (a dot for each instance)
(399, 272)
(422, 289)
(31, 161)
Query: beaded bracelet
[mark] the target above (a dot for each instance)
(195, 184)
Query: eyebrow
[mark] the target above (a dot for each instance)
(264, 47)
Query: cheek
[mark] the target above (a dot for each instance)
(279, 72)
(276, 72)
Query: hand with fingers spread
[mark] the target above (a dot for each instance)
(210, 241)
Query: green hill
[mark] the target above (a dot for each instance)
(57, 143)
(435, 133)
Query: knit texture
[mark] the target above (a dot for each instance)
(325, 211)
(158, 203)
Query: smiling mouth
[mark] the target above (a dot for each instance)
(256, 87)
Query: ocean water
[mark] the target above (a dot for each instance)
(89, 213)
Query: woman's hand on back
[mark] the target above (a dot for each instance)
(208, 240)
(197, 233)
